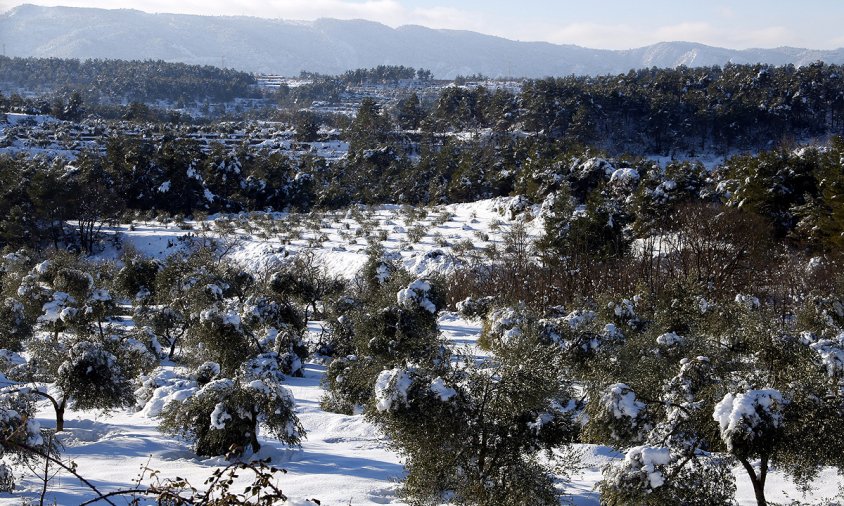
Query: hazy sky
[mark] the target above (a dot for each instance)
(614, 24)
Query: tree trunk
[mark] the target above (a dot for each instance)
(60, 415)
(757, 481)
(253, 438)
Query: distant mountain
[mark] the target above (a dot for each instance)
(333, 46)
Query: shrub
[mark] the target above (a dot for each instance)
(92, 378)
(223, 417)
(472, 433)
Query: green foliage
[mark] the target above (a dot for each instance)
(390, 321)
(747, 388)
(223, 417)
(148, 80)
(306, 281)
(473, 432)
(699, 481)
(369, 128)
(14, 325)
(307, 127)
(92, 378)
(135, 352)
(137, 277)
(821, 217)
(384, 74)
(410, 112)
(348, 383)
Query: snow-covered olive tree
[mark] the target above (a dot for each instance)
(472, 432)
(89, 377)
(751, 390)
(217, 313)
(670, 460)
(391, 324)
(224, 416)
(90, 362)
(20, 433)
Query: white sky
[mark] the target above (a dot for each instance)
(615, 24)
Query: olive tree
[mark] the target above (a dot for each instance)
(751, 390)
(223, 417)
(472, 433)
(391, 324)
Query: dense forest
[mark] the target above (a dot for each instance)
(116, 80)
(682, 110)
(660, 111)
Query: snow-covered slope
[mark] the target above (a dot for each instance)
(446, 237)
(333, 46)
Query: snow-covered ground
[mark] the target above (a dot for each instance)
(343, 460)
(448, 236)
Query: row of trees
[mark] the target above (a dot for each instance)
(385, 74)
(683, 110)
(688, 377)
(689, 109)
(687, 381)
(795, 192)
(664, 111)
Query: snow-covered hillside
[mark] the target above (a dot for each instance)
(344, 458)
(428, 240)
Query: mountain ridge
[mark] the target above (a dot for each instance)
(333, 46)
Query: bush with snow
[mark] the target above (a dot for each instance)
(434, 415)
(473, 308)
(21, 439)
(670, 465)
(165, 323)
(829, 353)
(348, 383)
(646, 461)
(216, 334)
(505, 325)
(515, 206)
(136, 279)
(223, 417)
(391, 389)
(619, 416)
(416, 294)
(15, 327)
(92, 378)
(579, 334)
(669, 339)
(86, 373)
(782, 393)
(136, 357)
(749, 421)
(625, 176)
(18, 425)
(656, 475)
